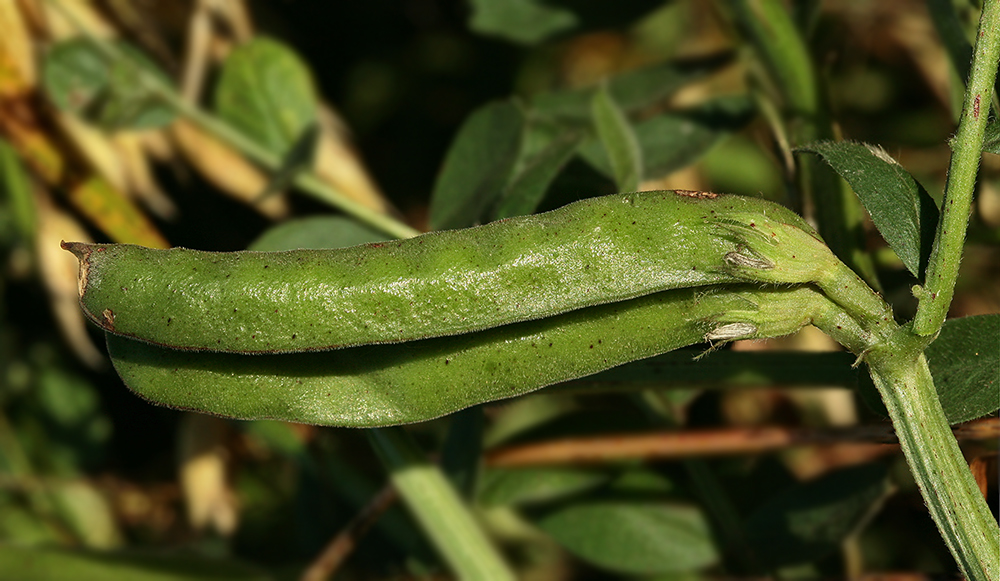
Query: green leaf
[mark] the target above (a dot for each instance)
(991, 140)
(520, 21)
(81, 79)
(45, 564)
(620, 143)
(393, 384)
(477, 167)
(950, 30)
(632, 91)
(812, 519)
(634, 537)
(673, 141)
(266, 92)
(899, 206)
(529, 182)
(16, 194)
(75, 74)
(963, 361)
(519, 486)
(463, 449)
(316, 232)
(965, 364)
(300, 157)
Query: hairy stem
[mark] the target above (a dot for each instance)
(946, 255)
(955, 502)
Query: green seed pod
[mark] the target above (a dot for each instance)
(595, 251)
(379, 385)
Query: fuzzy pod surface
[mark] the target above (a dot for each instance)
(596, 251)
(378, 385)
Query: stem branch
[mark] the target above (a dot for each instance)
(946, 255)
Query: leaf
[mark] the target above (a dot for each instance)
(393, 384)
(991, 139)
(632, 90)
(965, 363)
(15, 193)
(618, 138)
(75, 73)
(634, 537)
(81, 79)
(463, 448)
(114, 214)
(812, 519)
(300, 157)
(520, 21)
(266, 92)
(899, 206)
(529, 183)
(950, 30)
(673, 141)
(316, 232)
(46, 564)
(519, 486)
(477, 166)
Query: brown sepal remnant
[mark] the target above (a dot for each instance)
(697, 194)
(82, 251)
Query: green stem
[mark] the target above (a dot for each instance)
(437, 507)
(307, 181)
(955, 502)
(846, 288)
(946, 255)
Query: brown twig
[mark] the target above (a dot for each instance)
(344, 543)
(729, 441)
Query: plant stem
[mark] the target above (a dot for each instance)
(307, 181)
(946, 255)
(437, 507)
(956, 504)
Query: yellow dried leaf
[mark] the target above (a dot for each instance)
(108, 209)
(338, 166)
(67, 19)
(95, 146)
(15, 42)
(19, 126)
(227, 170)
(157, 145)
(139, 176)
(210, 501)
(58, 270)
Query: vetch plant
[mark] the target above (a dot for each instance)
(392, 332)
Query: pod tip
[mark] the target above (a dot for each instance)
(80, 249)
